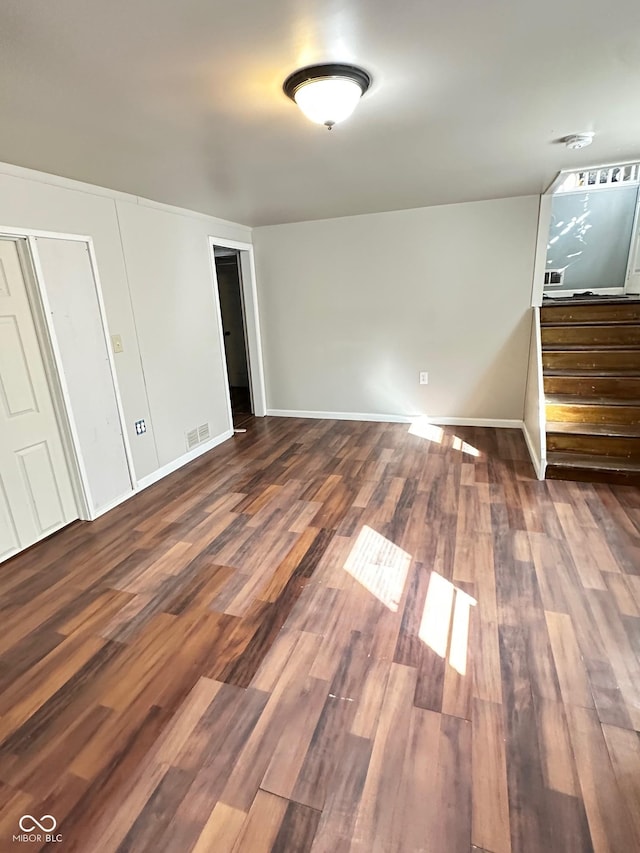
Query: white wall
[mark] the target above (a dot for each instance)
(169, 265)
(354, 308)
(166, 318)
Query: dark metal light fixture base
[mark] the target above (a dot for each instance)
(323, 72)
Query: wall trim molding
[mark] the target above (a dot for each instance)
(103, 510)
(181, 461)
(496, 423)
(341, 416)
(165, 470)
(539, 465)
(501, 423)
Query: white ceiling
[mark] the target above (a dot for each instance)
(180, 100)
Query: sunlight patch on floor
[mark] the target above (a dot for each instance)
(463, 447)
(445, 621)
(379, 565)
(423, 428)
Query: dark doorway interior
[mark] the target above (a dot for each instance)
(235, 342)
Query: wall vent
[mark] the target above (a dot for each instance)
(197, 435)
(554, 277)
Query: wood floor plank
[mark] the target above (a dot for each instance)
(609, 822)
(221, 830)
(624, 662)
(336, 826)
(558, 765)
(262, 825)
(624, 751)
(417, 819)
(572, 675)
(248, 772)
(529, 829)
(454, 790)
(376, 824)
(490, 821)
(297, 830)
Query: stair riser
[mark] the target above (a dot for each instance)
(594, 387)
(590, 335)
(595, 445)
(590, 313)
(597, 360)
(619, 415)
(586, 475)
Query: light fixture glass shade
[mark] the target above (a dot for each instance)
(328, 101)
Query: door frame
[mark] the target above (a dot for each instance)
(35, 281)
(253, 338)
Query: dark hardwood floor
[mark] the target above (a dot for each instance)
(331, 636)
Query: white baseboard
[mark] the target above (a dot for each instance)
(539, 465)
(96, 513)
(496, 423)
(340, 416)
(170, 467)
(167, 469)
(396, 419)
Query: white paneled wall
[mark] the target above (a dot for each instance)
(172, 291)
(169, 372)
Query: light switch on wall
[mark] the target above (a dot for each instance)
(116, 343)
(424, 377)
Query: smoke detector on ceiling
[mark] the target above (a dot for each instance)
(579, 140)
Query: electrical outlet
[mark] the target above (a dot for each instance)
(141, 427)
(424, 377)
(116, 343)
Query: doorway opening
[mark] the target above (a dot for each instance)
(234, 326)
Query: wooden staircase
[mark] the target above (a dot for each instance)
(591, 366)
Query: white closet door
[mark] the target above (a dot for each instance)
(75, 314)
(36, 494)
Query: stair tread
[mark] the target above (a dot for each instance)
(563, 324)
(595, 463)
(576, 400)
(599, 373)
(563, 301)
(599, 347)
(610, 430)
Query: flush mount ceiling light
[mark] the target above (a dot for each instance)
(578, 141)
(327, 93)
